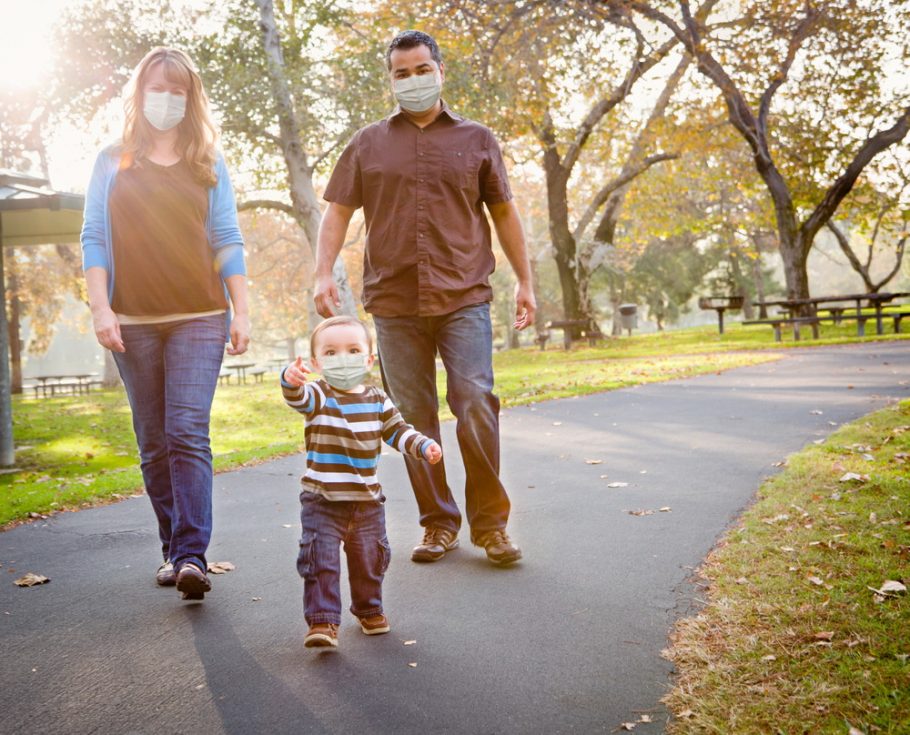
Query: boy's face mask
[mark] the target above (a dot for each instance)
(344, 371)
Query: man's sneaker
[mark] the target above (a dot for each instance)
(321, 635)
(499, 547)
(166, 576)
(436, 542)
(375, 624)
(192, 582)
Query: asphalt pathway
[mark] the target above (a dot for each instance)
(568, 640)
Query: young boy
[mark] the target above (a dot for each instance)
(341, 498)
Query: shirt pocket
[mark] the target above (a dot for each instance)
(462, 168)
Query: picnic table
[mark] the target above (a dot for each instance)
(240, 369)
(75, 383)
(720, 304)
(835, 309)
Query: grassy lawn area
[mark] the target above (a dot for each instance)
(793, 639)
(79, 450)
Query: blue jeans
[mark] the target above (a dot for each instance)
(170, 372)
(361, 528)
(407, 357)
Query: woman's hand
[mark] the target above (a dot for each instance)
(107, 329)
(295, 373)
(240, 334)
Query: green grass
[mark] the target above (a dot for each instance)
(792, 639)
(75, 451)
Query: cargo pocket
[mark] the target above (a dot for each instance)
(305, 555)
(385, 555)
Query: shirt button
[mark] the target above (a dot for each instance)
(419, 181)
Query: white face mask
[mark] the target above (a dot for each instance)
(344, 371)
(419, 92)
(164, 110)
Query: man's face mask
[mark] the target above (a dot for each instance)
(164, 110)
(344, 371)
(419, 92)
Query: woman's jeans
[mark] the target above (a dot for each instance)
(361, 528)
(407, 356)
(170, 372)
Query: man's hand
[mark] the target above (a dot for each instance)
(326, 296)
(240, 334)
(525, 306)
(433, 453)
(107, 329)
(295, 373)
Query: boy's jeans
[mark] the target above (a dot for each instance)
(407, 354)
(170, 372)
(361, 527)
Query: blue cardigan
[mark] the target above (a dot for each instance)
(221, 224)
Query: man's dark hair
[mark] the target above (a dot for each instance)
(411, 39)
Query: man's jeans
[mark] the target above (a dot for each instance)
(170, 372)
(361, 527)
(407, 355)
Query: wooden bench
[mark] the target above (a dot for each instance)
(258, 373)
(860, 320)
(778, 322)
(897, 317)
(224, 376)
(593, 335)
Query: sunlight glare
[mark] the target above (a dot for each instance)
(25, 48)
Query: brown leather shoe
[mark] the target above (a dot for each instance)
(166, 576)
(436, 542)
(192, 582)
(499, 547)
(321, 635)
(375, 624)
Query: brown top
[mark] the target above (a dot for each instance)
(428, 246)
(162, 258)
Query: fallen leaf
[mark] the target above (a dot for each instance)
(824, 635)
(594, 461)
(618, 484)
(686, 714)
(742, 580)
(410, 643)
(220, 567)
(257, 599)
(640, 512)
(665, 509)
(604, 477)
(286, 525)
(893, 586)
(818, 441)
(555, 423)
(816, 412)
(855, 731)
(30, 579)
(413, 664)
(627, 726)
(769, 657)
(645, 718)
(850, 476)
(816, 581)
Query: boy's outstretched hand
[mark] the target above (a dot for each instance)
(295, 373)
(433, 453)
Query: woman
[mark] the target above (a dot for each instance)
(162, 253)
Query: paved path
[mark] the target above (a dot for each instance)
(567, 641)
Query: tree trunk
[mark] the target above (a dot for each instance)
(7, 447)
(15, 317)
(304, 201)
(740, 280)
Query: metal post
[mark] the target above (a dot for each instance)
(7, 449)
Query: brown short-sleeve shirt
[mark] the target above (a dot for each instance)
(428, 244)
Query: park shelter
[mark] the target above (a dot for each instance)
(31, 213)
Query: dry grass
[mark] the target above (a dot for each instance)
(792, 639)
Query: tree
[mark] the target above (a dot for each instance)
(836, 52)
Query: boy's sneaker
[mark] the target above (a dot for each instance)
(321, 635)
(166, 576)
(375, 624)
(499, 547)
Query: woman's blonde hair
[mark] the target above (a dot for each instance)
(196, 133)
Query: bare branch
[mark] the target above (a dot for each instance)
(265, 204)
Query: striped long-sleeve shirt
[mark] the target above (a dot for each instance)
(343, 438)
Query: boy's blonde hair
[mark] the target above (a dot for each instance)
(335, 321)
(197, 133)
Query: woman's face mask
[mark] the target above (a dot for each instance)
(419, 92)
(345, 370)
(164, 110)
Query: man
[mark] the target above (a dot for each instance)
(422, 176)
